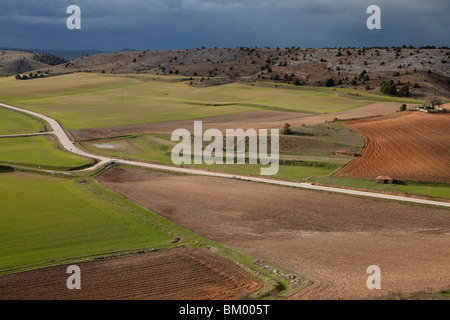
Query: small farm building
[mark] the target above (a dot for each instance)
(384, 179)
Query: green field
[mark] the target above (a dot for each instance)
(39, 151)
(17, 123)
(84, 100)
(45, 218)
(47, 221)
(316, 143)
(347, 93)
(322, 139)
(157, 149)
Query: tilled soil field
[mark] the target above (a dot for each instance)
(329, 238)
(405, 146)
(177, 274)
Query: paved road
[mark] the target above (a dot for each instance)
(59, 132)
(69, 146)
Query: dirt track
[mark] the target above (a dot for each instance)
(178, 274)
(406, 146)
(329, 238)
(264, 119)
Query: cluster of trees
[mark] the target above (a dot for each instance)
(286, 78)
(390, 88)
(30, 76)
(363, 76)
(49, 59)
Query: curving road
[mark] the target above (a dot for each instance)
(67, 144)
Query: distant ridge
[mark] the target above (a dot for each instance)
(64, 54)
(127, 50)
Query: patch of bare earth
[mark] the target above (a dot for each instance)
(406, 146)
(331, 239)
(262, 119)
(177, 274)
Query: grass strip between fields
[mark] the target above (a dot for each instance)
(40, 152)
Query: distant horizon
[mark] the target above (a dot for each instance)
(43, 50)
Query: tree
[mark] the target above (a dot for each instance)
(388, 88)
(329, 82)
(404, 91)
(286, 129)
(433, 101)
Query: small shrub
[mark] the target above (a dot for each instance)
(329, 82)
(286, 130)
(404, 91)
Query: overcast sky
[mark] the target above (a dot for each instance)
(182, 24)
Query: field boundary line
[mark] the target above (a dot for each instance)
(24, 135)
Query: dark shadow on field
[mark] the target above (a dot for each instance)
(6, 169)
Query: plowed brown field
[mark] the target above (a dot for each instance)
(405, 146)
(178, 274)
(328, 238)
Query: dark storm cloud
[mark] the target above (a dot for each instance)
(179, 24)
